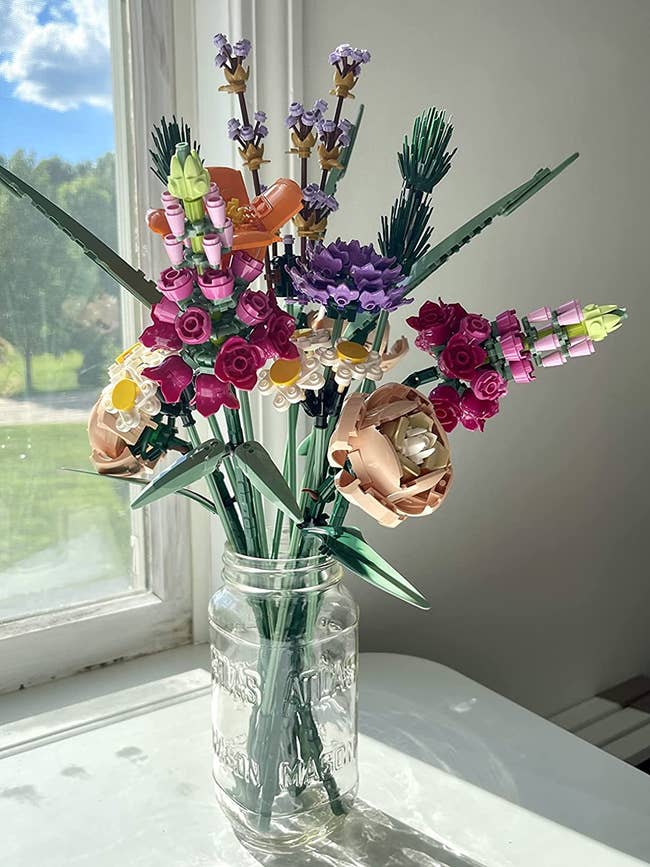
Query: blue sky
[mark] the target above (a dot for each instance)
(55, 78)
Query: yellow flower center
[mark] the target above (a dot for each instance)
(124, 394)
(285, 371)
(354, 353)
(301, 332)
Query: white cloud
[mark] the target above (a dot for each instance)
(61, 64)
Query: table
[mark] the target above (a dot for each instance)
(451, 774)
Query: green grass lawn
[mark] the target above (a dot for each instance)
(41, 506)
(49, 372)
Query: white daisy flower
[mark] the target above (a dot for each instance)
(129, 395)
(310, 339)
(288, 378)
(349, 361)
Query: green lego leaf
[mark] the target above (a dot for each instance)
(133, 480)
(303, 448)
(135, 282)
(349, 547)
(336, 174)
(165, 138)
(260, 469)
(438, 255)
(195, 465)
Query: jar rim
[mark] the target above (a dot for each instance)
(269, 574)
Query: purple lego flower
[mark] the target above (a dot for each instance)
(261, 131)
(260, 116)
(234, 127)
(326, 126)
(319, 107)
(241, 48)
(348, 276)
(349, 56)
(296, 111)
(247, 133)
(224, 49)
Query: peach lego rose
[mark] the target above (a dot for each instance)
(397, 452)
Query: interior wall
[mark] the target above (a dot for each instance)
(536, 566)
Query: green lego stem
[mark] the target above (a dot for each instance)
(243, 488)
(193, 209)
(289, 471)
(258, 505)
(420, 377)
(221, 498)
(367, 386)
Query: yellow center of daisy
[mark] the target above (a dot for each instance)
(285, 372)
(354, 353)
(124, 394)
(301, 332)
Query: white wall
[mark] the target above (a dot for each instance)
(536, 566)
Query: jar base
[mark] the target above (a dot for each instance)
(286, 833)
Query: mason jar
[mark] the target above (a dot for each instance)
(284, 658)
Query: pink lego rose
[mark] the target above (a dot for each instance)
(475, 328)
(433, 324)
(253, 308)
(460, 358)
(238, 362)
(488, 384)
(507, 322)
(194, 325)
(446, 405)
(475, 412)
(161, 335)
(212, 394)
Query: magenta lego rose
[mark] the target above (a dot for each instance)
(273, 338)
(433, 323)
(453, 313)
(474, 412)
(211, 394)
(253, 308)
(488, 384)
(475, 328)
(173, 376)
(460, 358)
(238, 362)
(446, 405)
(194, 325)
(507, 322)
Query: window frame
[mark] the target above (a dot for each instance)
(160, 614)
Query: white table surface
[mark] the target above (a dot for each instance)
(451, 774)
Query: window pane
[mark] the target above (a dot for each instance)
(66, 538)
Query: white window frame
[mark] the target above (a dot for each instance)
(33, 649)
(153, 40)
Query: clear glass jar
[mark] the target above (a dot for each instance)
(284, 655)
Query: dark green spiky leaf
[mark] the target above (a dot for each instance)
(336, 174)
(195, 465)
(405, 234)
(424, 160)
(165, 138)
(349, 547)
(260, 469)
(133, 480)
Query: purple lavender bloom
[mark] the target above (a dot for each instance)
(241, 48)
(220, 41)
(234, 127)
(345, 125)
(330, 203)
(319, 107)
(310, 194)
(261, 130)
(221, 59)
(325, 126)
(344, 140)
(246, 133)
(260, 116)
(309, 118)
(350, 277)
(352, 58)
(296, 109)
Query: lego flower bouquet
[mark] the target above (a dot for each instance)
(250, 305)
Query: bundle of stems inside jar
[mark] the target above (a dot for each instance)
(313, 340)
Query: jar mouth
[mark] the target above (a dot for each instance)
(280, 574)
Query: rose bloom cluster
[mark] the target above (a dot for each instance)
(348, 277)
(472, 387)
(236, 346)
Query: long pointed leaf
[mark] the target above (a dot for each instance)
(303, 447)
(133, 281)
(258, 465)
(349, 547)
(195, 465)
(438, 255)
(133, 480)
(336, 174)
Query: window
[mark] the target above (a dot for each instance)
(82, 581)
